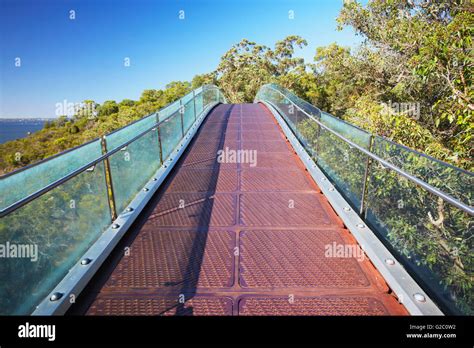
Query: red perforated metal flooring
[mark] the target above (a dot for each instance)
(240, 238)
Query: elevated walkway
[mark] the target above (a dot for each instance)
(208, 208)
(227, 238)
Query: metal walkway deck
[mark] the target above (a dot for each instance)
(237, 239)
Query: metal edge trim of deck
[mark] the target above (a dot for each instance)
(80, 274)
(394, 274)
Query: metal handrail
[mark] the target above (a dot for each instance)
(18, 204)
(417, 181)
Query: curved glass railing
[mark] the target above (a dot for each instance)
(421, 208)
(53, 211)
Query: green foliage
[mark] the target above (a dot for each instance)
(204, 79)
(414, 51)
(151, 96)
(90, 121)
(126, 102)
(108, 108)
(247, 66)
(177, 88)
(242, 70)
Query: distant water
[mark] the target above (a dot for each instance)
(11, 129)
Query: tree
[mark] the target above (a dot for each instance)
(127, 102)
(108, 108)
(151, 95)
(204, 79)
(423, 51)
(174, 89)
(247, 66)
(242, 70)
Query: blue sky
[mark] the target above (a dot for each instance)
(74, 60)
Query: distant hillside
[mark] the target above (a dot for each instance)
(92, 121)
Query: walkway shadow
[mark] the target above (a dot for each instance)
(196, 254)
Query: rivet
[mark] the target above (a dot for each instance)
(56, 296)
(146, 189)
(129, 209)
(390, 262)
(155, 179)
(86, 261)
(347, 209)
(419, 297)
(331, 189)
(360, 225)
(115, 226)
